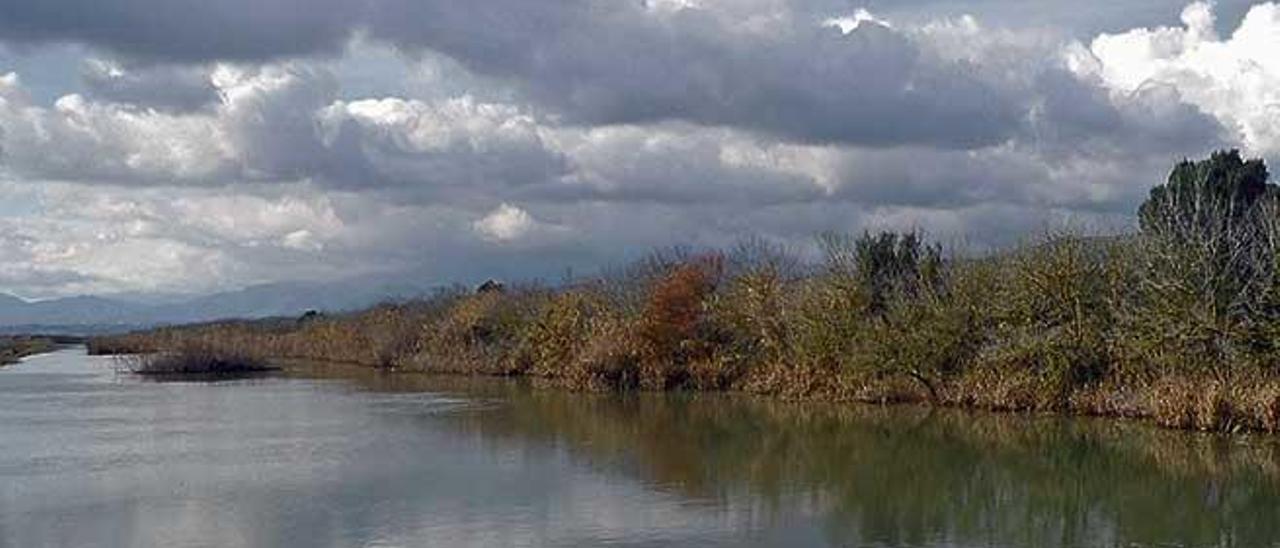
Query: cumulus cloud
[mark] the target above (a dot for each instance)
(107, 239)
(760, 64)
(455, 142)
(1235, 79)
(505, 223)
(279, 122)
(676, 164)
(778, 71)
(79, 137)
(577, 133)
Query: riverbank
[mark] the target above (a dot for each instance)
(1064, 325)
(14, 348)
(1178, 322)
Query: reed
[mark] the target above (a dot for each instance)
(196, 358)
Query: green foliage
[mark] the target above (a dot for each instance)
(883, 266)
(1207, 196)
(1053, 312)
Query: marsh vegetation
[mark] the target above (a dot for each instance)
(1178, 322)
(14, 348)
(195, 357)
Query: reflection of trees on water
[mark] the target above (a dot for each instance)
(910, 476)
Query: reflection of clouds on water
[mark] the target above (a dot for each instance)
(389, 460)
(300, 463)
(418, 404)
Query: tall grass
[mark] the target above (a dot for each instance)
(1179, 322)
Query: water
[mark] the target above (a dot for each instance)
(339, 457)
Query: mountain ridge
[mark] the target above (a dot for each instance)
(257, 301)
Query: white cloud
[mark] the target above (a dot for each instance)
(174, 88)
(850, 23)
(505, 223)
(456, 142)
(277, 122)
(79, 137)
(117, 239)
(669, 5)
(1236, 80)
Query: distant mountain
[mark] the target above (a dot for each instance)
(69, 311)
(286, 299)
(278, 299)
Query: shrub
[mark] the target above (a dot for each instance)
(195, 358)
(550, 342)
(1053, 317)
(610, 358)
(478, 333)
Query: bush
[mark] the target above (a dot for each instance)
(479, 332)
(197, 359)
(675, 330)
(549, 343)
(1052, 318)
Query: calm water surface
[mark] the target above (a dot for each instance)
(331, 457)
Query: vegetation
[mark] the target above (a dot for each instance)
(1178, 322)
(195, 357)
(15, 348)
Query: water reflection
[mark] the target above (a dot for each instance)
(333, 456)
(904, 476)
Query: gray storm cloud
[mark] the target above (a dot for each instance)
(223, 141)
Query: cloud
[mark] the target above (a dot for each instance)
(279, 122)
(78, 137)
(1236, 80)
(186, 30)
(850, 23)
(762, 65)
(456, 142)
(505, 223)
(771, 66)
(512, 139)
(177, 88)
(110, 239)
(777, 71)
(674, 164)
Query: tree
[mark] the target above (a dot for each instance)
(1208, 254)
(1207, 195)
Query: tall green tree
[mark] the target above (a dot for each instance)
(1207, 195)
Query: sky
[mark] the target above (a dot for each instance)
(187, 146)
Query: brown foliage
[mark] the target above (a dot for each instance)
(1069, 324)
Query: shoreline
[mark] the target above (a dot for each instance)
(1164, 323)
(867, 395)
(15, 349)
